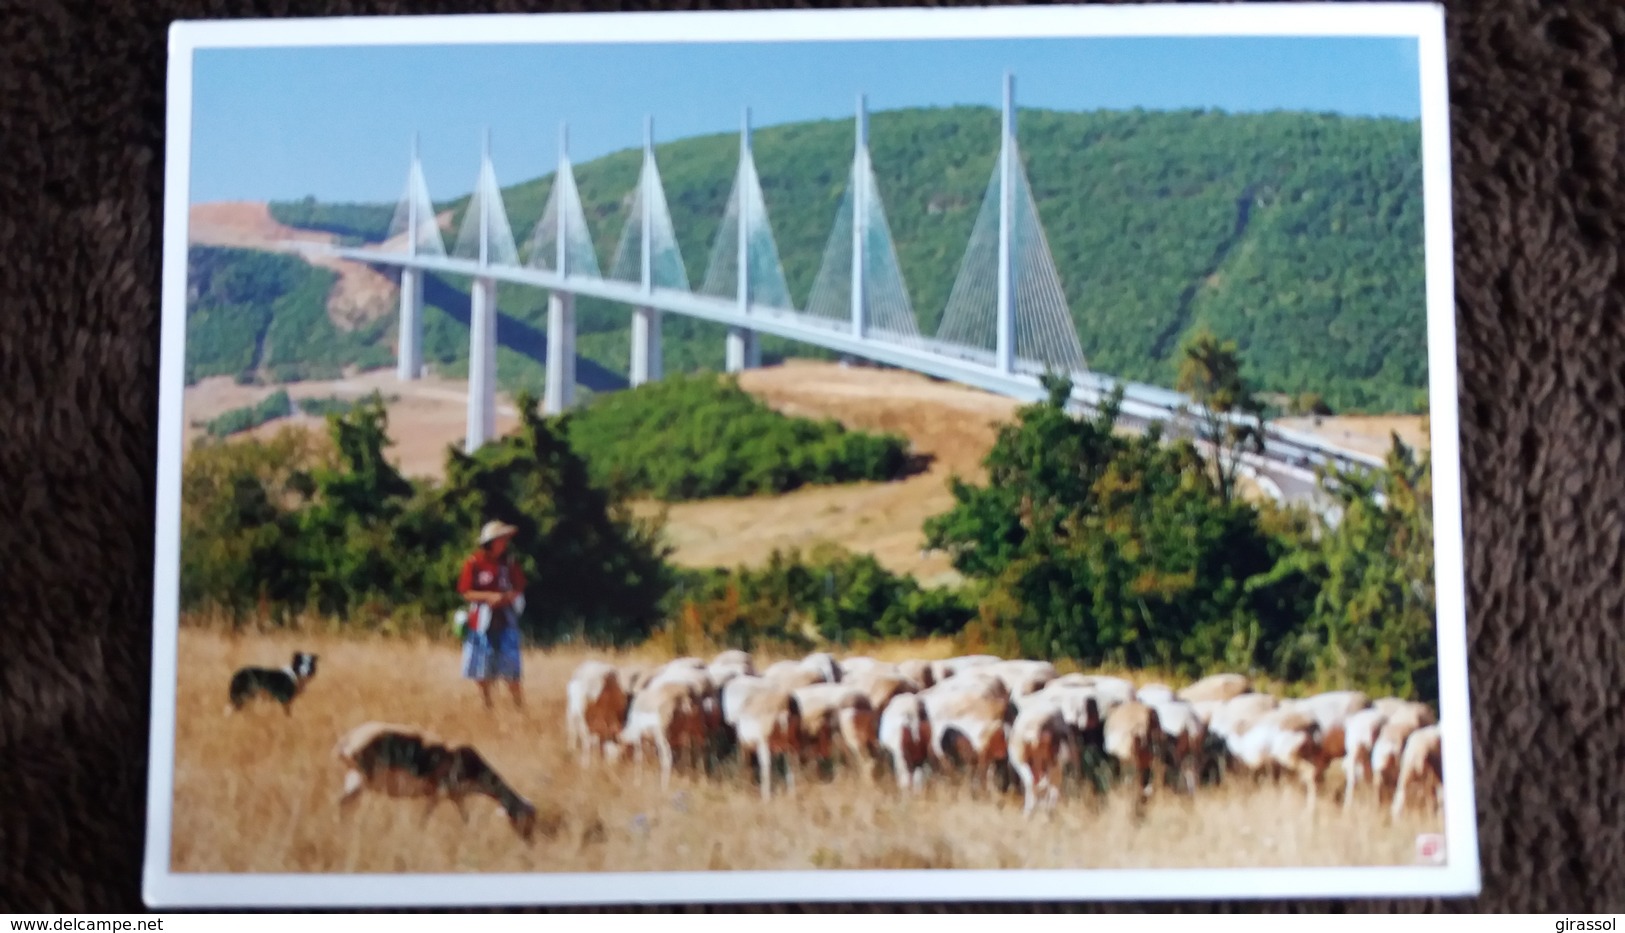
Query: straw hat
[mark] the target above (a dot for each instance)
(494, 530)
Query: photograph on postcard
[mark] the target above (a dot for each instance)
(797, 455)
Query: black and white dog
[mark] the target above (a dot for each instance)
(279, 685)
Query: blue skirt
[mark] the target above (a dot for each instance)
(488, 659)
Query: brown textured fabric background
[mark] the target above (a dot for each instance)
(1536, 120)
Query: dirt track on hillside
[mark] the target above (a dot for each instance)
(361, 294)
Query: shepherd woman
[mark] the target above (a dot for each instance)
(494, 586)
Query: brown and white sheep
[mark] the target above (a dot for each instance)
(824, 663)
(668, 714)
(1389, 748)
(1021, 677)
(967, 716)
(905, 732)
(1038, 743)
(881, 684)
(1184, 740)
(951, 667)
(1285, 739)
(917, 671)
(595, 708)
(1330, 711)
(844, 709)
(1133, 733)
(767, 722)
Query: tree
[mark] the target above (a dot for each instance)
(1229, 415)
(1376, 614)
(1102, 547)
(594, 569)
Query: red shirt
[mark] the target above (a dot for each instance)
(480, 572)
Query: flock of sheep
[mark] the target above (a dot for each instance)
(990, 714)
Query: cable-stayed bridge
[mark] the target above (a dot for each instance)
(1007, 319)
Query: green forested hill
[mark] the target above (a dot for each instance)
(1297, 235)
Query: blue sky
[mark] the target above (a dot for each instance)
(337, 122)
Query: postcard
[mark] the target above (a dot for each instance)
(850, 455)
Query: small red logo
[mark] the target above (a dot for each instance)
(1430, 849)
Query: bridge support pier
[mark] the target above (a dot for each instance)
(744, 349)
(409, 342)
(646, 348)
(561, 353)
(482, 364)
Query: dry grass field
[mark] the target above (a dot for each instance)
(256, 792)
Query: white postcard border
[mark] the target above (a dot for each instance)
(1460, 876)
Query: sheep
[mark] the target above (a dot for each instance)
(698, 683)
(1133, 732)
(826, 708)
(668, 714)
(1081, 711)
(403, 761)
(1216, 687)
(824, 663)
(854, 665)
(736, 658)
(633, 677)
(1360, 733)
(952, 667)
(1037, 743)
(767, 722)
(1393, 707)
(1110, 692)
(1329, 711)
(1184, 740)
(1397, 710)
(917, 671)
(793, 674)
(905, 732)
(1151, 694)
(728, 665)
(1421, 762)
(970, 713)
(1284, 739)
(595, 707)
(1022, 677)
(1237, 714)
(1387, 750)
(881, 684)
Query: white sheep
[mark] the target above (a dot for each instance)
(1216, 687)
(1360, 732)
(1422, 762)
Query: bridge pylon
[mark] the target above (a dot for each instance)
(648, 255)
(745, 263)
(487, 238)
(562, 243)
(418, 234)
(859, 286)
(1008, 309)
